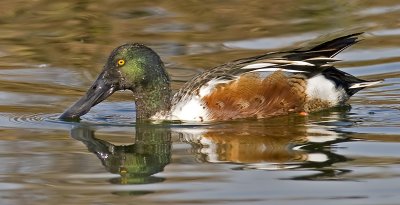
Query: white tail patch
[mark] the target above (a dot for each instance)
(319, 87)
(364, 84)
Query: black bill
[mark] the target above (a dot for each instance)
(99, 91)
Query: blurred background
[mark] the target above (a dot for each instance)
(50, 51)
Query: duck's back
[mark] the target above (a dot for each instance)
(272, 84)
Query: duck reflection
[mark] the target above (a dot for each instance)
(275, 144)
(284, 143)
(137, 162)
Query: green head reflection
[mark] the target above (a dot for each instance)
(137, 162)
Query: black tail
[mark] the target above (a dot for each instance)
(322, 48)
(348, 82)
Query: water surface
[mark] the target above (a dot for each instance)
(50, 51)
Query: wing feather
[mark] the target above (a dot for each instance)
(309, 60)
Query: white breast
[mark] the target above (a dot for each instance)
(192, 109)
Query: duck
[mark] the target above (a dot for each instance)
(301, 80)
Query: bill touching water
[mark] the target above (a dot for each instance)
(347, 154)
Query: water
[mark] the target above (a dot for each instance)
(50, 51)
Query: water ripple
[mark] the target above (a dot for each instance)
(36, 120)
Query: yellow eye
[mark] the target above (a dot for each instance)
(121, 62)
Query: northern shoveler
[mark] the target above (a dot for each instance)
(278, 83)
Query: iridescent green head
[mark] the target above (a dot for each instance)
(135, 65)
(132, 67)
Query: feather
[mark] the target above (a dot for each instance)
(309, 60)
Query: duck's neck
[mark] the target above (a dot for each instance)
(152, 98)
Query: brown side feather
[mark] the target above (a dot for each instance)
(251, 96)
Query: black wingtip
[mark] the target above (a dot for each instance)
(335, 46)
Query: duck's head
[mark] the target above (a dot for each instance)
(132, 67)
